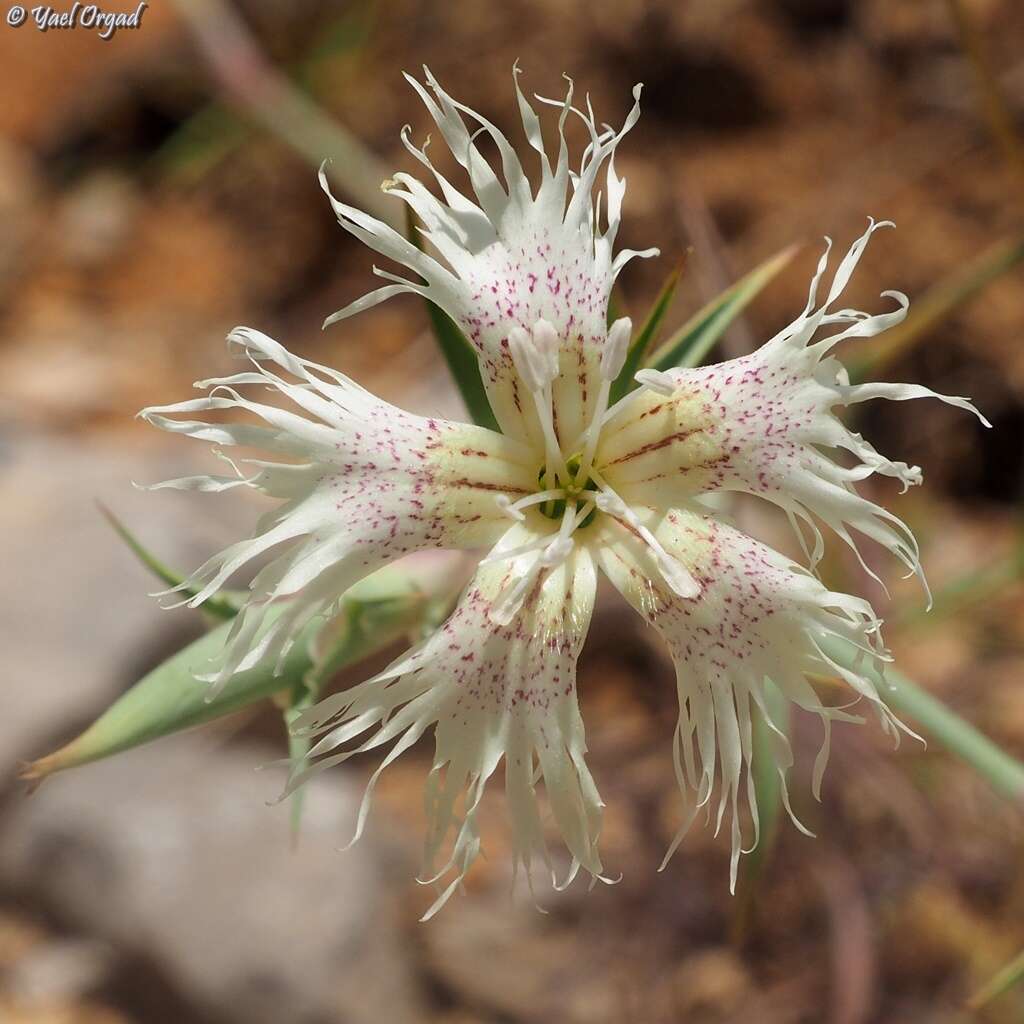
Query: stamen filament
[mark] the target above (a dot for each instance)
(657, 381)
(593, 432)
(555, 463)
(514, 508)
(551, 555)
(613, 358)
(675, 574)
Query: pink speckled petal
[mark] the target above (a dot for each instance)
(490, 692)
(511, 256)
(758, 616)
(375, 483)
(764, 424)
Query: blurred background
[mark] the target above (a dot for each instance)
(159, 187)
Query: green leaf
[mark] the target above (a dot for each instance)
(616, 306)
(938, 303)
(298, 747)
(624, 383)
(222, 606)
(768, 794)
(1003, 772)
(1010, 975)
(375, 612)
(689, 345)
(457, 351)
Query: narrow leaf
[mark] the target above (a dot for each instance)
(298, 748)
(624, 383)
(387, 604)
(689, 345)
(1000, 769)
(457, 351)
(220, 606)
(1010, 975)
(768, 794)
(616, 306)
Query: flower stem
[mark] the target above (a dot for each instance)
(1003, 771)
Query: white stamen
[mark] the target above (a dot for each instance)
(557, 552)
(508, 553)
(656, 380)
(552, 554)
(545, 338)
(513, 509)
(529, 361)
(616, 347)
(582, 514)
(675, 574)
(510, 600)
(613, 357)
(506, 506)
(535, 356)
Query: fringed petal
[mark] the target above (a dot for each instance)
(510, 257)
(375, 483)
(491, 693)
(757, 617)
(764, 424)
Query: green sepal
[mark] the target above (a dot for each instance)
(689, 345)
(624, 383)
(374, 613)
(456, 349)
(223, 606)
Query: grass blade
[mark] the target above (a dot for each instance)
(219, 606)
(1004, 772)
(768, 793)
(386, 605)
(1012, 974)
(624, 383)
(689, 345)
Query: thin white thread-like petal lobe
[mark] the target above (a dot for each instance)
(374, 483)
(510, 256)
(491, 693)
(758, 616)
(764, 424)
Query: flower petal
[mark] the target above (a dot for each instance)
(763, 424)
(758, 616)
(491, 692)
(374, 483)
(509, 257)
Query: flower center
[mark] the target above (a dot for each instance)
(572, 491)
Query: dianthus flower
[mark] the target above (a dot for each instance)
(571, 485)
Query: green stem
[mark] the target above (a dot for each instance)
(1003, 771)
(768, 793)
(253, 84)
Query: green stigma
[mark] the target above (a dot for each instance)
(573, 488)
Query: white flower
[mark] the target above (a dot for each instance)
(569, 486)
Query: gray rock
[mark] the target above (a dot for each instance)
(76, 624)
(172, 849)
